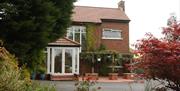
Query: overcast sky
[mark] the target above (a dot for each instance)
(146, 15)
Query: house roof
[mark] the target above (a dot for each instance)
(64, 42)
(97, 14)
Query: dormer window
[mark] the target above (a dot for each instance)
(111, 34)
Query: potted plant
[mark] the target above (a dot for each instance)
(41, 73)
(33, 76)
(33, 73)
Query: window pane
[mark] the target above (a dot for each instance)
(50, 59)
(83, 43)
(77, 37)
(70, 35)
(68, 60)
(78, 34)
(77, 29)
(58, 61)
(111, 33)
(76, 60)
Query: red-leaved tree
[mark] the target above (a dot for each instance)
(160, 58)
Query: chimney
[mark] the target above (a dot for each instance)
(121, 5)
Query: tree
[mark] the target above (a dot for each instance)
(26, 26)
(160, 58)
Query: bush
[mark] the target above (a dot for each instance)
(37, 87)
(25, 74)
(12, 79)
(9, 73)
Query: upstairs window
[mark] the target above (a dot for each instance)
(78, 34)
(111, 34)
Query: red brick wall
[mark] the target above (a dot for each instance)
(121, 46)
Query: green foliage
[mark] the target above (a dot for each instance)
(139, 71)
(25, 74)
(90, 41)
(37, 87)
(102, 47)
(28, 25)
(41, 70)
(106, 64)
(12, 79)
(104, 70)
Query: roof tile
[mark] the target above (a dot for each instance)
(64, 42)
(95, 14)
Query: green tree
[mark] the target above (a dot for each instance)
(26, 26)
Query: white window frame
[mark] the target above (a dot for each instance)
(105, 29)
(73, 28)
(51, 60)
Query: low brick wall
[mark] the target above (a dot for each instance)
(91, 76)
(113, 76)
(62, 77)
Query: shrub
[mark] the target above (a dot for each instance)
(9, 73)
(37, 87)
(12, 79)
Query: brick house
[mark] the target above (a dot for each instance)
(111, 27)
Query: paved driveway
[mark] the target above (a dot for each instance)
(105, 86)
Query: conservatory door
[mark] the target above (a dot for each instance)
(68, 61)
(58, 60)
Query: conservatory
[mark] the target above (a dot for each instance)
(63, 58)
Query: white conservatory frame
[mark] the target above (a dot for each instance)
(51, 53)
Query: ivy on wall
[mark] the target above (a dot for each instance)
(91, 40)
